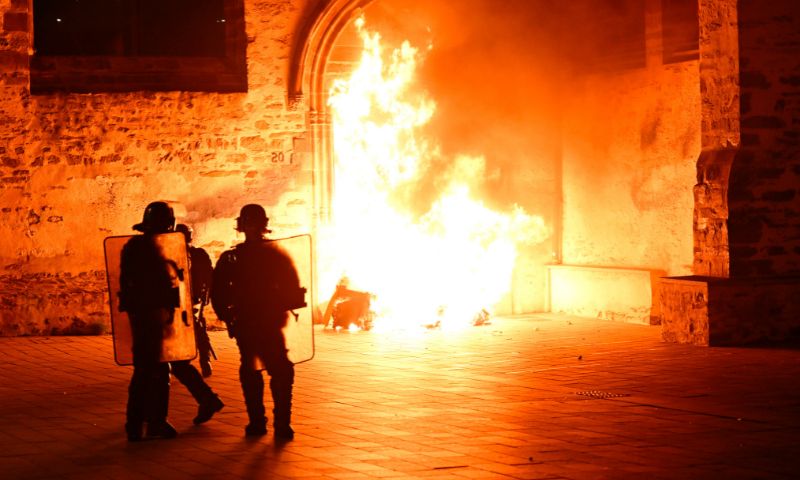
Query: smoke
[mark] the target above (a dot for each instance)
(493, 68)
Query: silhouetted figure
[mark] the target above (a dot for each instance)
(149, 294)
(186, 373)
(254, 287)
(202, 271)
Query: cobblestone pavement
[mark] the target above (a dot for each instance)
(534, 397)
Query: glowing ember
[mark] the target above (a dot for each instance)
(443, 267)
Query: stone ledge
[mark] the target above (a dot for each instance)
(611, 293)
(715, 311)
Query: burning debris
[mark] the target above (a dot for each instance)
(481, 318)
(352, 310)
(348, 309)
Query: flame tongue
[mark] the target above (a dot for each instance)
(443, 267)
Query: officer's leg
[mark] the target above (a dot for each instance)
(159, 393)
(158, 399)
(146, 348)
(280, 383)
(136, 409)
(208, 402)
(250, 342)
(187, 374)
(253, 390)
(281, 372)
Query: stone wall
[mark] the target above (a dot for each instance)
(631, 141)
(747, 213)
(720, 137)
(764, 193)
(631, 137)
(76, 168)
(713, 311)
(684, 309)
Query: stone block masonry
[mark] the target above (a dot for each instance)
(76, 168)
(724, 312)
(764, 199)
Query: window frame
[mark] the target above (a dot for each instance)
(118, 73)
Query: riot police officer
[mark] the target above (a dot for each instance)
(202, 270)
(254, 287)
(186, 373)
(148, 294)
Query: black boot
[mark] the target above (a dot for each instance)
(284, 433)
(207, 409)
(161, 429)
(256, 428)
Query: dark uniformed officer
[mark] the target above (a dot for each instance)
(254, 287)
(202, 270)
(149, 295)
(186, 373)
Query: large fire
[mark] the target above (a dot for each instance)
(444, 266)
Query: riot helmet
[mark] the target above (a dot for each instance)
(158, 218)
(252, 216)
(186, 230)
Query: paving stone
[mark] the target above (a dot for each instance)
(532, 397)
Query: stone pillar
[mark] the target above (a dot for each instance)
(747, 200)
(719, 78)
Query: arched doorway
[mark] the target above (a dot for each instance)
(621, 162)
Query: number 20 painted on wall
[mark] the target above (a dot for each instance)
(280, 158)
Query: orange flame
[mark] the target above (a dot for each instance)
(443, 267)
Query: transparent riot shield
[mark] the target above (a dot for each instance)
(299, 330)
(178, 340)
